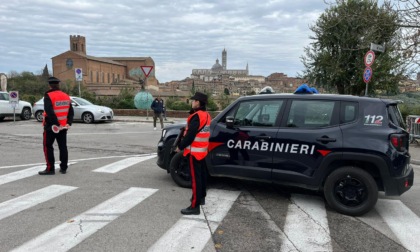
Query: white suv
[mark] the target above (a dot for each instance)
(23, 109)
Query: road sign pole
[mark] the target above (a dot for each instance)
(366, 91)
(80, 95)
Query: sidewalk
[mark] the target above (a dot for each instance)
(414, 148)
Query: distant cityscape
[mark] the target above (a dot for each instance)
(107, 76)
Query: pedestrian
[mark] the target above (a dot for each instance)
(58, 116)
(157, 107)
(195, 148)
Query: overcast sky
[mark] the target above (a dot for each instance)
(180, 35)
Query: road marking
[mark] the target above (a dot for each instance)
(122, 164)
(77, 160)
(306, 224)
(69, 234)
(192, 232)
(402, 221)
(26, 201)
(13, 176)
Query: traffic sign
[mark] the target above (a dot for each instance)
(79, 74)
(376, 47)
(367, 74)
(369, 58)
(13, 96)
(147, 70)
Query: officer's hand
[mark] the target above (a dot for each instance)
(177, 149)
(67, 126)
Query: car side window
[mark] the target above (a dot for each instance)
(258, 113)
(349, 111)
(4, 97)
(311, 114)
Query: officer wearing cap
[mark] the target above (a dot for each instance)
(58, 113)
(195, 148)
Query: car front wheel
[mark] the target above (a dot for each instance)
(39, 116)
(26, 114)
(180, 171)
(351, 191)
(87, 117)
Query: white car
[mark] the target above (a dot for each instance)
(84, 110)
(23, 108)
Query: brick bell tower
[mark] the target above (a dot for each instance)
(78, 43)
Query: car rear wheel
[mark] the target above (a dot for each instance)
(26, 114)
(351, 191)
(180, 171)
(39, 115)
(87, 117)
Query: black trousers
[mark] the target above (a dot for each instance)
(198, 180)
(48, 139)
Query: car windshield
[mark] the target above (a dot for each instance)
(81, 101)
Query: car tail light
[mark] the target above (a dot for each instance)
(399, 141)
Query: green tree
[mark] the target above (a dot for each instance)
(342, 36)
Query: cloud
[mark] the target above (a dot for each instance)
(179, 35)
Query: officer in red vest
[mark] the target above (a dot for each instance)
(58, 115)
(195, 145)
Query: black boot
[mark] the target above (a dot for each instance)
(189, 210)
(63, 171)
(45, 172)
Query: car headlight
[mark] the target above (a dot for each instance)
(101, 111)
(163, 133)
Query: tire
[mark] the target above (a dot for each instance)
(39, 115)
(88, 117)
(26, 114)
(1, 118)
(351, 191)
(180, 171)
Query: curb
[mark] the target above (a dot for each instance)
(415, 162)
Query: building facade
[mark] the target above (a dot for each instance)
(104, 76)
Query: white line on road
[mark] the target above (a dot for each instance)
(26, 201)
(69, 234)
(402, 221)
(77, 160)
(10, 177)
(306, 224)
(122, 164)
(192, 232)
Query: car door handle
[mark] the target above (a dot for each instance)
(326, 139)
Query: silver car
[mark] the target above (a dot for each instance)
(84, 110)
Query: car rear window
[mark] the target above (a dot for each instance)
(395, 116)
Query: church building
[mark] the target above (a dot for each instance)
(103, 75)
(217, 71)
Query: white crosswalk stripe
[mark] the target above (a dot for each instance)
(402, 221)
(26, 201)
(13, 176)
(192, 231)
(74, 231)
(123, 164)
(307, 225)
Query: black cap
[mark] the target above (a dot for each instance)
(53, 80)
(200, 97)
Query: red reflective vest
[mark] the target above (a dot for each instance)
(199, 147)
(61, 105)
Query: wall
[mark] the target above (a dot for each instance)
(169, 113)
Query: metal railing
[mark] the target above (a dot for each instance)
(413, 126)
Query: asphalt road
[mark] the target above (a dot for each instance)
(115, 198)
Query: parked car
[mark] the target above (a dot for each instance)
(84, 111)
(345, 146)
(23, 108)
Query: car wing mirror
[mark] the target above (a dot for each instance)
(74, 104)
(230, 121)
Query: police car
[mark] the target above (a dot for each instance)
(348, 147)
